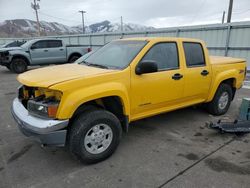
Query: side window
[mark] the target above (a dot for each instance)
(164, 54)
(40, 44)
(194, 54)
(55, 43)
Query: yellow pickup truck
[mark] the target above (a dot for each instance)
(88, 104)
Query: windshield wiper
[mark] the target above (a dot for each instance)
(97, 65)
(94, 65)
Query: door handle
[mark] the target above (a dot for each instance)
(45, 50)
(177, 76)
(61, 49)
(204, 73)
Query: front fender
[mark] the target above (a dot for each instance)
(71, 101)
(219, 78)
(18, 53)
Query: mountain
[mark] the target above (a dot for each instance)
(28, 28)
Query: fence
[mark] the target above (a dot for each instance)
(222, 39)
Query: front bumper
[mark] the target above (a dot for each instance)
(4, 61)
(45, 131)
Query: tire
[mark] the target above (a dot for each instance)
(73, 58)
(8, 67)
(84, 141)
(221, 101)
(18, 65)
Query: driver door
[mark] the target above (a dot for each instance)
(38, 52)
(155, 92)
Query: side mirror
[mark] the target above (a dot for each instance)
(32, 47)
(146, 67)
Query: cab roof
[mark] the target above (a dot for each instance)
(159, 39)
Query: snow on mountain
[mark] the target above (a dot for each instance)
(26, 28)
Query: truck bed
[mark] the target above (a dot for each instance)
(225, 60)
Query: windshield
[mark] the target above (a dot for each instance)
(27, 44)
(116, 54)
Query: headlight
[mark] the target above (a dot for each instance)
(47, 109)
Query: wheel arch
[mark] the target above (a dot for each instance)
(74, 54)
(113, 104)
(232, 81)
(22, 57)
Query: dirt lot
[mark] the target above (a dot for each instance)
(170, 150)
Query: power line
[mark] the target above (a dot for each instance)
(48, 15)
(198, 11)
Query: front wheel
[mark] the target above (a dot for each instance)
(221, 101)
(8, 67)
(94, 135)
(18, 65)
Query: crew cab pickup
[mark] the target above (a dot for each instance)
(40, 52)
(87, 104)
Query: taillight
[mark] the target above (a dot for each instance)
(89, 49)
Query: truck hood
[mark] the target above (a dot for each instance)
(10, 49)
(46, 77)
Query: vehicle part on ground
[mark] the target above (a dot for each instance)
(237, 126)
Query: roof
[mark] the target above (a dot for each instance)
(158, 39)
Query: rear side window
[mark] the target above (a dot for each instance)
(194, 54)
(164, 54)
(55, 43)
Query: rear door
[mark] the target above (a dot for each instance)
(197, 72)
(57, 51)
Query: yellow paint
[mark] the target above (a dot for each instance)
(141, 95)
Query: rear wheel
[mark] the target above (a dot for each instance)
(94, 135)
(221, 101)
(18, 65)
(73, 58)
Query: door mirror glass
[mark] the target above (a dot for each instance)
(146, 67)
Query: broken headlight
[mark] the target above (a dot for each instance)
(47, 109)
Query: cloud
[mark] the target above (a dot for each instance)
(157, 13)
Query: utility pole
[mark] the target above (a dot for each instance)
(36, 6)
(121, 24)
(83, 27)
(230, 8)
(223, 17)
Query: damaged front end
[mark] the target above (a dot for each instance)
(5, 58)
(35, 111)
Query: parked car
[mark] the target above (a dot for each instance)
(40, 52)
(15, 43)
(87, 104)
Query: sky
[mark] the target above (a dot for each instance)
(155, 13)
